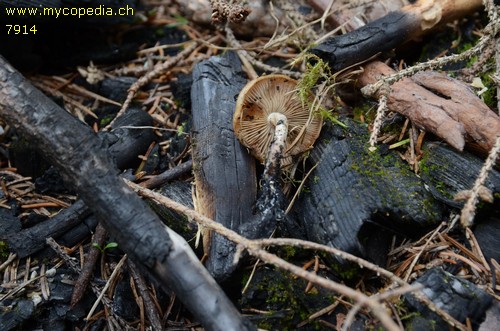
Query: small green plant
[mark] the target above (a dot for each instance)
(182, 129)
(103, 249)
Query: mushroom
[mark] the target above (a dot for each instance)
(271, 120)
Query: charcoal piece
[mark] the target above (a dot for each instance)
(8, 222)
(127, 143)
(352, 188)
(13, 317)
(447, 172)
(181, 192)
(224, 171)
(487, 232)
(124, 304)
(116, 88)
(28, 241)
(458, 297)
(359, 45)
(79, 232)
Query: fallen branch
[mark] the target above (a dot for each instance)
(390, 31)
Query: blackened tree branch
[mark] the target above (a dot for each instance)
(88, 169)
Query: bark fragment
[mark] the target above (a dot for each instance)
(440, 105)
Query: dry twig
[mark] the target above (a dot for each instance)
(255, 248)
(469, 209)
(158, 70)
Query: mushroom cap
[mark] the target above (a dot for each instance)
(264, 96)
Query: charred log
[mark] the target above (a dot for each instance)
(224, 171)
(89, 170)
(390, 31)
(447, 172)
(352, 189)
(124, 145)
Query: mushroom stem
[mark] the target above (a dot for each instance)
(278, 144)
(270, 204)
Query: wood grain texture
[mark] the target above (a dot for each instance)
(352, 187)
(224, 171)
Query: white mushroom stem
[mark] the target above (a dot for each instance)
(278, 144)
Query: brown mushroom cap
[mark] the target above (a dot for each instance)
(274, 94)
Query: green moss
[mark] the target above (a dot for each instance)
(490, 96)
(4, 250)
(376, 168)
(347, 272)
(316, 68)
(287, 252)
(427, 168)
(282, 296)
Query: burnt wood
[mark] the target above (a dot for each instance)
(124, 145)
(390, 31)
(359, 45)
(226, 186)
(87, 168)
(31, 240)
(458, 297)
(353, 194)
(447, 172)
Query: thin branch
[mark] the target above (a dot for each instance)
(254, 248)
(231, 39)
(469, 209)
(372, 89)
(158, 70)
